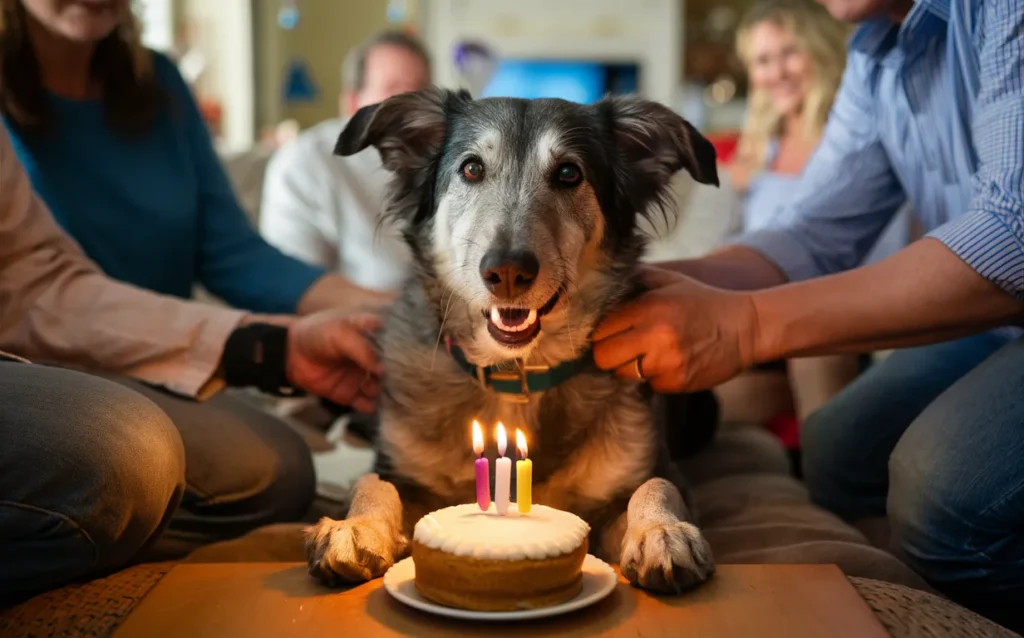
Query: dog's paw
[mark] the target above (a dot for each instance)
(666, 558)
(351, 551)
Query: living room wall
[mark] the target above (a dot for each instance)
(326, 30)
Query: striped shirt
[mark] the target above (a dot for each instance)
(931, 112)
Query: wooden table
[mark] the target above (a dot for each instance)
(260, 600)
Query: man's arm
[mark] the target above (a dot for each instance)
(967, 276)
(730, 268)
(56, 305)
(845, 197)
(922, 294)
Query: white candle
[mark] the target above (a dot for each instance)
(502, 474)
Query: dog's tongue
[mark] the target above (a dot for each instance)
(513, 317)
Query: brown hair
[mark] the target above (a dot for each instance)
(353, 73)
(132, 98)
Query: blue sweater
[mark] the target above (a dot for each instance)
(158, 211)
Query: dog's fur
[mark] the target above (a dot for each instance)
(597, 449)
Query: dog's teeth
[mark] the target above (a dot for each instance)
(497, 319)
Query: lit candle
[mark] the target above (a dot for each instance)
(483, 470)
(524, 476)
(502, 474)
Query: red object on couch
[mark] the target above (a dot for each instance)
(725, 145)
(786, 427)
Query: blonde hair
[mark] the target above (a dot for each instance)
(823, 40)
(124, 66)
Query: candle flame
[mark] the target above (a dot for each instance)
(478, 438)
(502, 439)
(521, 444)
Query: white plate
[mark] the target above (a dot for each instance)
(599, 580)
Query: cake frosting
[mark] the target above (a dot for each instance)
(472, 559)
(465, 530)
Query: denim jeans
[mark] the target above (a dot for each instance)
(97, 473)
(933, 437)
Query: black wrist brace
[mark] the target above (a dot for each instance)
(256, 356)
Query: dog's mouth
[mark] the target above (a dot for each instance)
(517, 327)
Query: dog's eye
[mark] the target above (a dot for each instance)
(569, 175)
(472, 170)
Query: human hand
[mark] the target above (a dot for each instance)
(687, 336)
(330, 355)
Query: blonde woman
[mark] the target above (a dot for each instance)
(795, 55)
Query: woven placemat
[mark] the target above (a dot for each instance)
(909, 613)
(89, 610)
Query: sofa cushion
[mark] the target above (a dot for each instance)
(753, 511)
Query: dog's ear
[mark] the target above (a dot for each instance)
(656, 143)
(408, 129)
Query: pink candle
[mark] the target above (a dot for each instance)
(483, 470)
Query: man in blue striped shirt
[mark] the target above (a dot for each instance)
(931, 110)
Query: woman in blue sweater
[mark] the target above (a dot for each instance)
(114, 143)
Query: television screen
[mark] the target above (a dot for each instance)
(576, 81)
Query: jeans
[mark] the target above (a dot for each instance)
(97, 473)
(933, 437)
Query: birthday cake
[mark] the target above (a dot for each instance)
(473, 559)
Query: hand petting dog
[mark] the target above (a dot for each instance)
(682, 335)
(330, 354)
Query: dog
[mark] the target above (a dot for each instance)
(522, 217)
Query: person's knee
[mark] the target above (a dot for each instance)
(268, 478)
(292, 485)
(824, 451)
(127, 459)
(104, 465)
(945, 520)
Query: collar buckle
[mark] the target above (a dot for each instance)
(520, 374)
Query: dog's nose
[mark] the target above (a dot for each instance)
(509, 274)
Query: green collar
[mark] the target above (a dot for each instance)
(516, 380)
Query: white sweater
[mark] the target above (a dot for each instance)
(326, 210)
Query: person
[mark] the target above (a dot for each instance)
(142, 458)
(930, 110)
(326, 210)
(794, 54)
(115, 144)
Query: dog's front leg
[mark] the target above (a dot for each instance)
(660, 550)
(366, 543)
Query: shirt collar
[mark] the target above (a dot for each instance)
(875, 36)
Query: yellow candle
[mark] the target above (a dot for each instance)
(524, 476)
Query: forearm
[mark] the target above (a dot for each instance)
(923, 294)
(77, 317)
(730, 268)
(334, 292)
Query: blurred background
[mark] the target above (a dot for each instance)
(264, 68)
